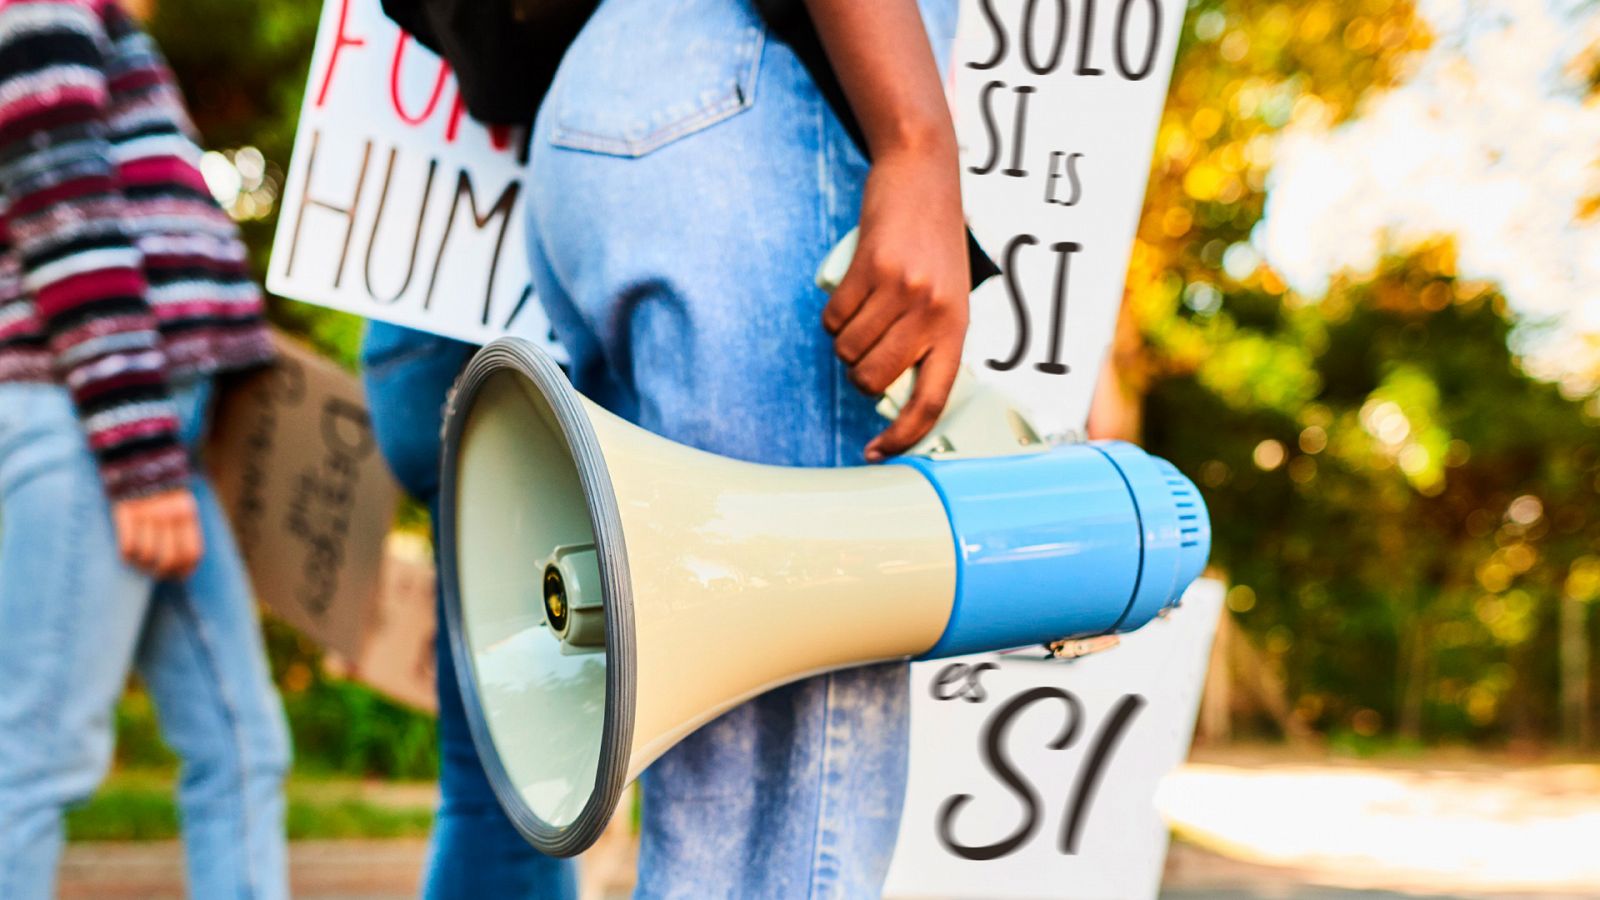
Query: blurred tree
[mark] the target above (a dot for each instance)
(1401, 508)
(243, 67)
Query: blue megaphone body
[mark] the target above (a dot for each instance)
(1081, 539)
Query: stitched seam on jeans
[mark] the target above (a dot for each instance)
(820, 848)
(231, 714)
(828, 211)
(576, 139)
(724, 107)
(83, 505)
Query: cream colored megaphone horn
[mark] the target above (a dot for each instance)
(608, 591)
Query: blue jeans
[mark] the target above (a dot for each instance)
(475, 851)
(74, 618)
(687, 179)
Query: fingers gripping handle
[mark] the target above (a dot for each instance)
(978, 420)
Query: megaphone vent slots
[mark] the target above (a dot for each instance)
(610, 591)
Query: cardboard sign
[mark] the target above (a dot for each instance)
(396, 655)
(1037, 778)
(297, 468)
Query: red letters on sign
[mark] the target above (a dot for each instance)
(395, 70)
(405, 109)
(453, 128)
(341, 40)
(499, 135)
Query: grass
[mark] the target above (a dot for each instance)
(138, 805)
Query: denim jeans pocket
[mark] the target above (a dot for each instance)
(643, 75)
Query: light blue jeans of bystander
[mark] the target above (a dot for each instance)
(73, 620)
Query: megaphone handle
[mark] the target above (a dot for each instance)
(897, 395)
(837, 262)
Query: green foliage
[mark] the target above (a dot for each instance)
(1399, 505)
(339, 727)
(347, 819)
(344, 728)
(1408, 522)
(138, 805)
(125, 813)
(243, 66)
(139, 734)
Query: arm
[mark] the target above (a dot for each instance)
(66, 219)
(903, 302)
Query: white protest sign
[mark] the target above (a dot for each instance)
(1057, 105)
(1034, 778)
(397, 205)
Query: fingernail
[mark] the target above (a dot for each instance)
(874, 456)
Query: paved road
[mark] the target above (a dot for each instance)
(387, 870)
(1196, 874)
(1313, 830)
(321, 870)
(1477, 826)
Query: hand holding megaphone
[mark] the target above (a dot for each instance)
(608, 591)
(978, 420)
(886, 322)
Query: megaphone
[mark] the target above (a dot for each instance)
(608, 591)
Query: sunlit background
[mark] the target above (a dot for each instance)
(1363, 313)
(1365, 319)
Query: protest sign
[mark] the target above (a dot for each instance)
(297, 469)
(1035, 778)
(1056, 109)
(397, 205)
(396, 654)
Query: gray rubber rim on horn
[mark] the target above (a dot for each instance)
(542, 372)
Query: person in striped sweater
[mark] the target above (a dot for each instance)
(123, 290)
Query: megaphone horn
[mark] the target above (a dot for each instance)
(608, 591)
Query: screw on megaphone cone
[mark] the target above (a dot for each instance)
(574, 601)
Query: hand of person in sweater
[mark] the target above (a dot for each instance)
(903, 301)
(160, 533)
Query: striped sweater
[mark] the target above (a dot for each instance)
(118, 271)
